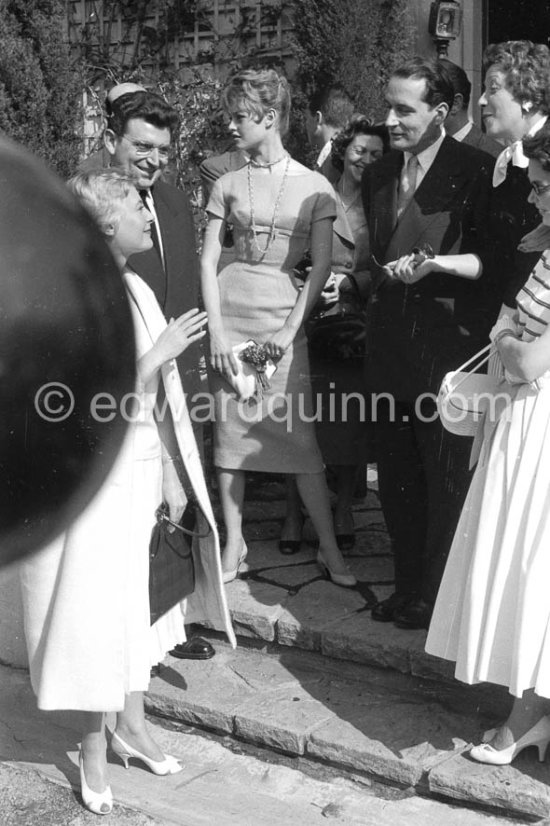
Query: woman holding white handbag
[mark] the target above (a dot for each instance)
(492, 613)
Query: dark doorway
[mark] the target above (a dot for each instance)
(517, 20)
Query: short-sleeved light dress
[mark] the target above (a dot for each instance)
(257, 293)
(492, 614)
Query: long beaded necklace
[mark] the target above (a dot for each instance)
(272, 232)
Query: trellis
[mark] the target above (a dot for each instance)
(221, 31)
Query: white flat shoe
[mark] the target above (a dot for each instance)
(170, 765)
(538, 735)
(100, 803)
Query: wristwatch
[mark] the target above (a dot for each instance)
(422, 254)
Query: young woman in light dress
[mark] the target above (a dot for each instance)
(278, 209)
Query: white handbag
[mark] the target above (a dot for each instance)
(464, 395)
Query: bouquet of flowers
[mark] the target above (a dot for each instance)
(257, 368)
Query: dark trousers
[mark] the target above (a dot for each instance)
(423, 479)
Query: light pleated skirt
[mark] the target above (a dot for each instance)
(492, 614)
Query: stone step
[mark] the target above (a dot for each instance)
(287, 600)
(222, 781)
(403, 730)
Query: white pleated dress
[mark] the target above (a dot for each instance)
(492, 614)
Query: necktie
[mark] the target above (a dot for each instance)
(513, 153)
(407, 185)
(145, 195)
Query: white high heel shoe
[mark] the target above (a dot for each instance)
(538, 735)
(100, 803)
(170, 765)
(229, 576)
(345, 580)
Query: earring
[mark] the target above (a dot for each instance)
(527, 106)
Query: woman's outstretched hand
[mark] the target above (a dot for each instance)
(180, 333)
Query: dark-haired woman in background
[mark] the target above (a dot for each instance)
(341, 430)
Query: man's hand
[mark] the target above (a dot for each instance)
(406, 269)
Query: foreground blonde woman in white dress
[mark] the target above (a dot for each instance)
(492, 613)
(86, 595)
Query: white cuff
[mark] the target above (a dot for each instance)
(505, 322)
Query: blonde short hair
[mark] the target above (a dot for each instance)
(258, 91)
(101, 192)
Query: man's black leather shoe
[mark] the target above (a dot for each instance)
(416, 614)
(385, 610)
(194, 649)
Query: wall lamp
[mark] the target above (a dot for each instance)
(444, 24)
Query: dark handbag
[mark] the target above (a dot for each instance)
(171, 566)
(339, 331)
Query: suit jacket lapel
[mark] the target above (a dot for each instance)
(341, 224)
(384, 202)
(437, 190)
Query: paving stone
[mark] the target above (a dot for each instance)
(267, 529)
(372, 569)
(280, 720)
(290, 577)
(522, 787)
(266, 489)
(198, 692)
(398, 738)
(267, 555)
(372, 540)
(368, 518)
(343, 742)
(432, 668)
(263, 672)
(255, 607)
(358, 638)
(255, 511)
(308, 612)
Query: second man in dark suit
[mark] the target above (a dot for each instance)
(431, 192)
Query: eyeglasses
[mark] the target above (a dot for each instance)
(362, 150)
(144, 150)
(538, 189)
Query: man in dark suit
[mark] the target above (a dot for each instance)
(328, 111)
(432, 309)
(458, 124)
(138, 138)
(139, 133)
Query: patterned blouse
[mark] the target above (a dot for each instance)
(533, 300)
